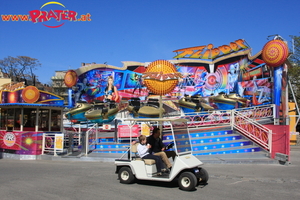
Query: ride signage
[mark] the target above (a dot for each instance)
(161, 76)
(209, 52)
(12, 87)
(126, 131)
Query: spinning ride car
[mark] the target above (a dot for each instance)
(77, 113)
(102, 112)
(194, 104)
(186, 167)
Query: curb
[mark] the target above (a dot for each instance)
(109, 158)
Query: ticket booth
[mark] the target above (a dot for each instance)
(25, 114)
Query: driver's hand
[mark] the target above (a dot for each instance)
(133, 142)
(163, 149)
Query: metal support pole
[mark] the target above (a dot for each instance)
(61, 121)
(49, 120)
(37, 120)
(232, 119)
(97, 129)
(116, 131)
(22, 119)
(54, 152)
(70, 150)
(160, 114)
(84, 143)
(130, 133)
(43, 143)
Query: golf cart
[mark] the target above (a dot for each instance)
(186, 167)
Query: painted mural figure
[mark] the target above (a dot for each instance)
(96, 85)
(241, 90)
(232, 77)
(138, 82)
(188, 80)
(180, 84)
(82, 88)
(111, 91)
(201, 84)
(118, 80)
(263, 93)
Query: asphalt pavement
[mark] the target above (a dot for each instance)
(242, 158)
(67, 179)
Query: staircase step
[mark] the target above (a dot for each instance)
(111, 139)
(205, 141)
(112, 146)
(239, 157)
(221, 145)
(199, 134)
(210, 128)
(221, 138)
(118, 151)
(214, 133)
(244, 149)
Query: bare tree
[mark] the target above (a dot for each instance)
(9, 67)
(28, 65)
(21, 67)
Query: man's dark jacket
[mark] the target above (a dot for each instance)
(156, 144)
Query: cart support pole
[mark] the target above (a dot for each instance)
(160, 114)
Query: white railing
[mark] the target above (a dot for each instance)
(223, 117)
(245, 120)
(252, 130)
(72, 139)
(91, 138)
(259, 112)
(208, 118)
(52, 143)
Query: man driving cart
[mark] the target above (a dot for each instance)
(158, 148)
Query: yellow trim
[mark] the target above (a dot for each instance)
(89, 67)
(49, 100)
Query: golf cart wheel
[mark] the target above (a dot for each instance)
(126, 175)
(187, 181)
(204, 177)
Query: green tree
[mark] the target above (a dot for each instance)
(294, 69)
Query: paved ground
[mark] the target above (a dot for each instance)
(67, 179)
(241, 158)
(246, 158)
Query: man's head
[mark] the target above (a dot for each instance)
(156, 132)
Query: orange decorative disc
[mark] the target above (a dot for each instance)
(30, 94)
(70, 78)
(161, 86)
(275, 53)
(12, 97)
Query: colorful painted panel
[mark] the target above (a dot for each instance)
(94, 83)
(29, 143)
(10, 140)
(30, 94)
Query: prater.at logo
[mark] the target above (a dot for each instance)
(51, 18)
(9, 139)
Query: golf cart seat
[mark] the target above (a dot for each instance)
(137, 157)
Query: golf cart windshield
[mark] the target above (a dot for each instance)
(181, 137)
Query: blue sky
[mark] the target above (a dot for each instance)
(140, 30)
